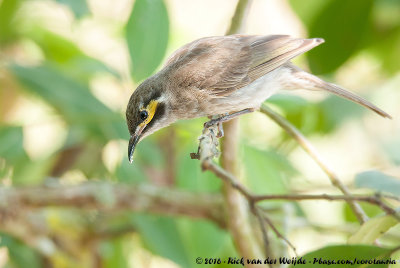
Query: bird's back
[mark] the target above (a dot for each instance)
(223, 64)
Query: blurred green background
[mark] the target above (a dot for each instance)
(67, 69)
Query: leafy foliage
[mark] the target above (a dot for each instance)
(347, 253)
(55, 74)
(378, 181)
(147, 50)
(20, 254)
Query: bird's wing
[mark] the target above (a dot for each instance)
(223, 64)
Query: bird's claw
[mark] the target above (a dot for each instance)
(220, 133)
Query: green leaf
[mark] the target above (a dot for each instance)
(20, 255)
(149, 153)
(386, 48)
(320, 257)
(373, 229)
(298, 111)
(112, 254)
(189, 173)
(8, 29)
(11, 145)
(311, 117)
(24, 171)
(147, 36)
(73, 101)
(342, 24)
(308, 9)
(266, 171)
(127, 173)
(378, 181)
(67, 55)
(204, 239)
(334, 111)
(161, 236)
(370, 209)
(79, 8)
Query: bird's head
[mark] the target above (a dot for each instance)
(146, 112)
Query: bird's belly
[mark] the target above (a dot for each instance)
(252, 95)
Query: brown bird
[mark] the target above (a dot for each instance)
(223, 76)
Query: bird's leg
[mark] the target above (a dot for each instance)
(224, 118)
(220, 133)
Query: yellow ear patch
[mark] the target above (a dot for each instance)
(151, 110)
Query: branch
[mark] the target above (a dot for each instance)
(237, 19)
(238, 219)
(309, 148)
(111, 197)
(372, 199)
(208, 149)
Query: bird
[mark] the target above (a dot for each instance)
(223, 77)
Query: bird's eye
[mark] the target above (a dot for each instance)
(143, 115)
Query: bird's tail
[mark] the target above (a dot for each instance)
(315, 83)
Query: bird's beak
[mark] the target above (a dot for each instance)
(132, 143)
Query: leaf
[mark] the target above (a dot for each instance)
(79, 8)
(149, 153)
(127, 173)
(387, 48)
(112, 253)
(205, 239)
(317, 117)
(298, 111)
(342, 24)
(308, 9)
(11, 145)
(73, 101)
(147, 36)
(334, 111)
(20, 255)
(189, 174)
(24, 171)
(320, 257)
(67, 55)
(8, 29)
(378, 181)
(266, 171)
(161, 236)
(372, 229)
(369, 209)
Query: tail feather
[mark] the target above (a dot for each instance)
(309, 81)
(341, 92)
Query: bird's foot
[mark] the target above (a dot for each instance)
(220, 133)
(223, 118)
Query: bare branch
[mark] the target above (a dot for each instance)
(237, 19)
(278, 234)
(237, 207)
(372, 199)
(107, 196)
(309, 148)
(252, 199)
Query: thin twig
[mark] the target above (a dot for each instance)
(278, 234)
(227, 177)
(309, 148)
(207, 153)
(237, 19)
(208, 149)
(372, 199)
(267, 244)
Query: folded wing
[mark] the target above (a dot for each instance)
(224, 64)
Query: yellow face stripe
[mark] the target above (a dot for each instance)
(151, 110)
